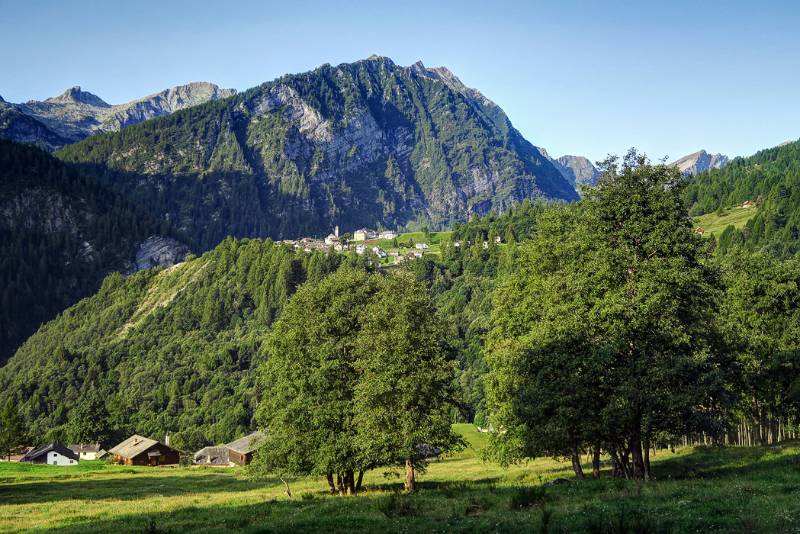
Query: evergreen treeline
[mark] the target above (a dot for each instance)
(771, 179)
(60, 234)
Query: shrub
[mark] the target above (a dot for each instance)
(397, 505)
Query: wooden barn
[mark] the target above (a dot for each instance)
(241, 451)
(51, 454)
(212, 456)
(138, 450)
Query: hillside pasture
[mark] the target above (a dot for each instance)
(715, 224)
(697, 490)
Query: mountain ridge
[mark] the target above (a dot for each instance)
(368, 143)
(76, 114)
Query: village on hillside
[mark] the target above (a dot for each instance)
(388, 247)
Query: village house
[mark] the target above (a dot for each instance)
(360, 249)
(88, 451)
(51, 454)
(241, 451)
(333, 239)
(387, 234)
(421, 246)
(378, 251)
(363, 234)
(138, 450)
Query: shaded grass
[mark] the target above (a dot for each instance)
(697, 490)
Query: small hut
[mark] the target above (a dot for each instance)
(212, 456)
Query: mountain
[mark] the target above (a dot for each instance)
(700, 161)
(578, 170)
(60, 234)
(164, 350)
(77, 114)
(771, 180)
(369, 143)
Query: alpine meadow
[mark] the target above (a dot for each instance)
(357, 297)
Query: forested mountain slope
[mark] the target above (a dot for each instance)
(363, 144)
(60, 234)
(173, 350)
(164, 350)
(770, 179)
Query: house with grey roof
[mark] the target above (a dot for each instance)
(51, 454)
(138, 450)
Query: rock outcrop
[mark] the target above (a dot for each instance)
(158, 251)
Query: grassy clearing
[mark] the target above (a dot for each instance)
(698, 490)
(715, 224)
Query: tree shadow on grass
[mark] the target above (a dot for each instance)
(729, 462)
(128, 488)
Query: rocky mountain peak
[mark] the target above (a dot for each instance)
(699, 161)
(77, 96)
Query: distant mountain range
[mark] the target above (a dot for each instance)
(369, 143)
(77, 114)
(700, 161)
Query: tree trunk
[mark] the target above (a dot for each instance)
(596, 462)
(340, 484)
(576, 464)
(330, 483)
(350, 482)
(411, 482)
(638, 459)
(647, 459)
(360, 479)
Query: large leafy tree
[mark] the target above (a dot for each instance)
(309, 378)
(357, 376)
(607, 337)
(406, 383)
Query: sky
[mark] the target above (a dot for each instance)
(583, 78)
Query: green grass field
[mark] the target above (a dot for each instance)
(697, 490)
(714, 224)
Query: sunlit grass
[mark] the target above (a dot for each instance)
(697, 490)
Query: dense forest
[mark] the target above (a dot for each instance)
(363, 144)
(61, 233)
(770, 179)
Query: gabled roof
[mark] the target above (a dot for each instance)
(248, 443)
(133, 446)
(44, 449)
(212, 455)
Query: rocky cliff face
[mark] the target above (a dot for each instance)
(699, 162)
(364, 144)
(77, 114)
(158, 251)
(578, 171)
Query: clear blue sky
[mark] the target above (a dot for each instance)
(583, 78)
